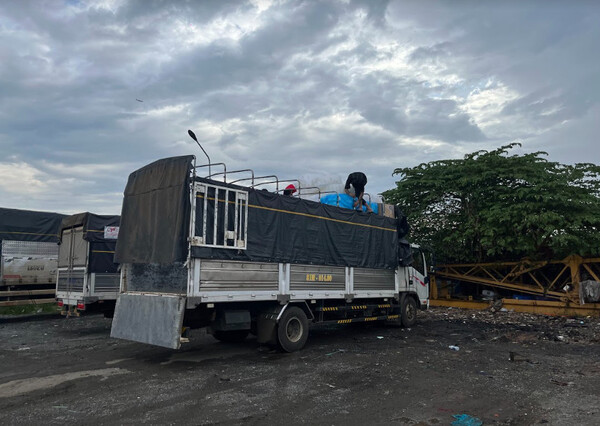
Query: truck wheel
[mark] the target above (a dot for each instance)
(409, 312)
(230, 336)
(292, 330)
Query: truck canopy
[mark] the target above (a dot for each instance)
(155, 213)
(155, 224)
(101, 232)
(28, 225)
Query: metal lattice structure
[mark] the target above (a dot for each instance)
(558, 282)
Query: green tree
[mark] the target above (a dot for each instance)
(491, 205)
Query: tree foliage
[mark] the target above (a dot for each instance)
(495, 206)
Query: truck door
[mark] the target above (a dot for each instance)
(72, 260)
(419, 278)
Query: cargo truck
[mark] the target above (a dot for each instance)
(28, 256)
(87, 279)
(196, 252)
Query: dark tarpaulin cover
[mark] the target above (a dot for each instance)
(27, 225)
(404, 250)
(293, 230)
(102, 256)
(403, 226)
(405, 257)
(155, 214)
(93, 225)
(102, 250)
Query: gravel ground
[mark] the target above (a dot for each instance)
(509, 369)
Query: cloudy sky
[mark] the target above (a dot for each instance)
(303, 89)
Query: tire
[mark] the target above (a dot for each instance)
(408, 313)
(292, 329)
(230, 336)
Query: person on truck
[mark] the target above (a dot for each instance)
(289, 190)
(357, 181)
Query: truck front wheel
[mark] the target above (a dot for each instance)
(409, 312)
(292, 330)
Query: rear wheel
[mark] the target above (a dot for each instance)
(230, 336)
(292, 329)
(409, 312)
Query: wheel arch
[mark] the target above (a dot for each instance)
(300, 304)
(412, 294)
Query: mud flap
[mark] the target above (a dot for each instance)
(266, 325)
(155, 319)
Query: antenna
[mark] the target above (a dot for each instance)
(193, 136)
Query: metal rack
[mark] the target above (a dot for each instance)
(224, 173)
(275, 180)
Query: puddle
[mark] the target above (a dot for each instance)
(203, 356)
(183, 357)
(116, 361)
(23, 386)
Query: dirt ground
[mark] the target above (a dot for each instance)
(510, 369)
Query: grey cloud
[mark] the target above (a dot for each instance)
(141, 11)
(69, 84)
(259, 56)
(384, 102)
(431, 53)
(442, 120)
(532, 48)
(380, 104)
(572, 142)
(376, 9)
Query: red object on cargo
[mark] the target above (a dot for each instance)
(291, 188)
(60, 303)
(81, 306)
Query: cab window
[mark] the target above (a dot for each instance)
(417, 262)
